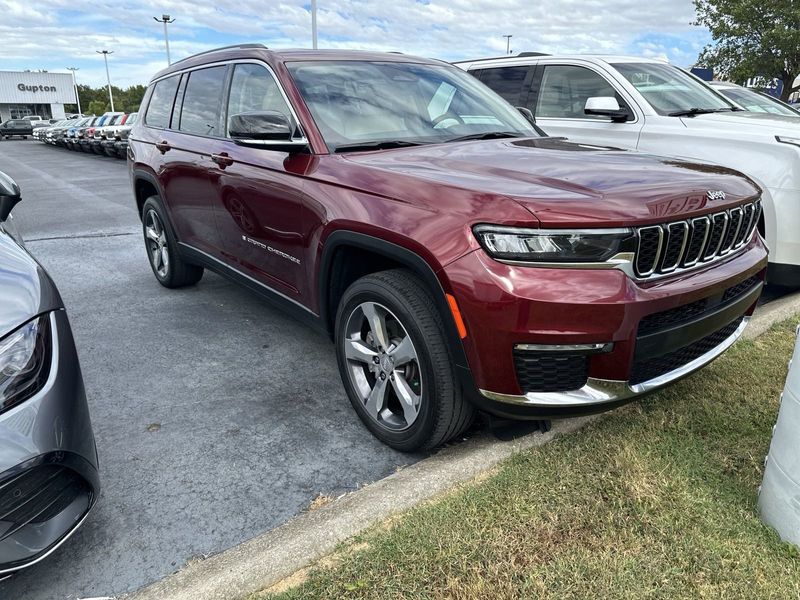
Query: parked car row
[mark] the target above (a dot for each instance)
(106, 134)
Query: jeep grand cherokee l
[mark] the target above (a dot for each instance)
(459, 258)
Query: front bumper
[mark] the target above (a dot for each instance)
(48, 461)
(507, 307)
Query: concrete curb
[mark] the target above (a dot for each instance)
(773, 312)
(266, 559)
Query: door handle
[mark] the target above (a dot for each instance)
(222, 159)
(163, 146)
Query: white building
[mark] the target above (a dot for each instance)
(34, 93)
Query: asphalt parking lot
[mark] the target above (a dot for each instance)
(217, 417)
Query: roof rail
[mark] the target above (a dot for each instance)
(506, 56)
(235, 46)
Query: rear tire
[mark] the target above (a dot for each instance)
(162, 248)
(401, 380)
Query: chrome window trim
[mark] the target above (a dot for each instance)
(603, 391)
(234, 61)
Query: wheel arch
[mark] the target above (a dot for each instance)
(376, 254)
(145, 184)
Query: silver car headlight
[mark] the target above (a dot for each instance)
(25, 357)
(554, 245)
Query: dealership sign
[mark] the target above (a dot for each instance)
(35, 88)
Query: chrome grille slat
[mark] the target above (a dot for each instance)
(681, 245)
(734, 223)
(675, 246)
(645, 239)
(700, 228)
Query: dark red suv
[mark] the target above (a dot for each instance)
(459, 258)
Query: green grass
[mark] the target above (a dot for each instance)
(658, 500)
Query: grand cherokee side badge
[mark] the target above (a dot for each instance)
(715, 195)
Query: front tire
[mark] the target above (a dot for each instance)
(162, 248)
(395, 364)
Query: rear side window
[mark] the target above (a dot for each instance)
(506, 81)
(160, 107)
(201, 112)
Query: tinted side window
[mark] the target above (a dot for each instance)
(565, 89)
(254, 89)
(160, 107)
(201, 112)
(506, 81)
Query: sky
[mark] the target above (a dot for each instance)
(55, 34)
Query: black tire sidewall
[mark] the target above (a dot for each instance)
(154, 203)
(418, 434)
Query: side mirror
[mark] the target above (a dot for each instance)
(269, 129)
(527, 114)
(606, 106)
(9, 195)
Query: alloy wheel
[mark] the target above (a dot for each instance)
(383, 366)
(156, 240)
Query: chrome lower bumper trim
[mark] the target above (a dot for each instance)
(601, 391)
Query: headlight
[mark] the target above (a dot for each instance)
(788, 140)
(25, 356)
(554, 245)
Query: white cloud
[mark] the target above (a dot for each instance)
(63, 31)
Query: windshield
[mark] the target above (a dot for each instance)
(358, 103)
(754, 101)
(670, 90)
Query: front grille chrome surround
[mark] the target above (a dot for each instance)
(646, 259)
(686, 244)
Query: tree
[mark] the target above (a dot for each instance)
(97, 107)
(95, 100)
(752, 38)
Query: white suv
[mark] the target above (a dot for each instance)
(652, 106)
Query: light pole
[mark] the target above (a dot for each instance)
(314, 24)
(508, 43)
(165, 19)
(75, 85)
(105, 54)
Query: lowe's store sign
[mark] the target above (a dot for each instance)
(30, 87)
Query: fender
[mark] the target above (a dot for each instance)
(421, 268)
(143, 174)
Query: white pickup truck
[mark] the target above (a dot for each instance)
(652, 106)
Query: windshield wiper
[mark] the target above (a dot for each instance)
(490, 135)
(380, 145)
(690, 112)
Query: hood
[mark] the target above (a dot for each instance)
(746, 120)
(566, 184)
(25, 287)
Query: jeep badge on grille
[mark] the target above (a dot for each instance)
(715, 195)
